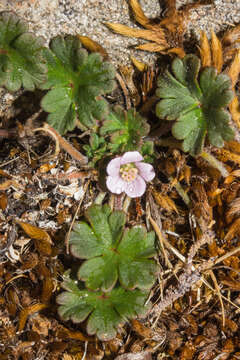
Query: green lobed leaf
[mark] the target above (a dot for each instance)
(113, 253)
(126, 128)
(105, 311)
(21, 55)
(196, 103)
(77, 80)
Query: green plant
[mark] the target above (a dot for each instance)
(96, 149)
(121, 131)
(105, 311)
(126, 128)
(76, 81)
(117, 264)
(113, 252)
(21, 60)
(197, 103)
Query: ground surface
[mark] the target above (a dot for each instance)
(195, 311)
(87, 17)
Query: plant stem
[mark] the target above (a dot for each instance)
(99, 199)
(118, 201)
(126, 204)
(214, 163)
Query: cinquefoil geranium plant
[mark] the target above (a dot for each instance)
(21, 60)
(197, 103)
(121, 131)
(103, 311)
(126, 129)
(76, 80)
(112, 251)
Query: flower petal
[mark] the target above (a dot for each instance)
(115, 184)
(135, 188)
(146, 171)
(113, 167)
(131, 156)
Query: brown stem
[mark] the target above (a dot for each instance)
(7, 133)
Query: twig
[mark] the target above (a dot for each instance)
(219, 295)
(64, 144)
(224, 297)
(54, 136)
(85, 350)
(186, 280)
(9, 162)
(230, 253)
(162, 241)
(206, 238)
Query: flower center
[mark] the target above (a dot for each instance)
(128, 172)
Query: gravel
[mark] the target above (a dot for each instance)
(49, 18)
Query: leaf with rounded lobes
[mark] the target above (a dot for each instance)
(83, 242)
(191, 128)
(82, 78)
(105, 310)
(186, 71)
(220, 122)
(117, 221)
(216, 89)
(100, 224)
(21, 55)
(113, 253)
(199, 110)
(99, 270)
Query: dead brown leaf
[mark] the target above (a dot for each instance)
(234, 230)
(217, 53)
(166, 36)
(164, 201)
(41, 325)
(234, 108)
(228, 346)
(3, 201)
(93, 46)
(43, 243)
(234, 69)
(231, 36)
(150, 35)
(205, 51)
(8, 183)
(139, 15)
(187, 351)
(64, 333)
(138, 64)
(26, 312)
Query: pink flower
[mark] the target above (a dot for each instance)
(129, 174)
